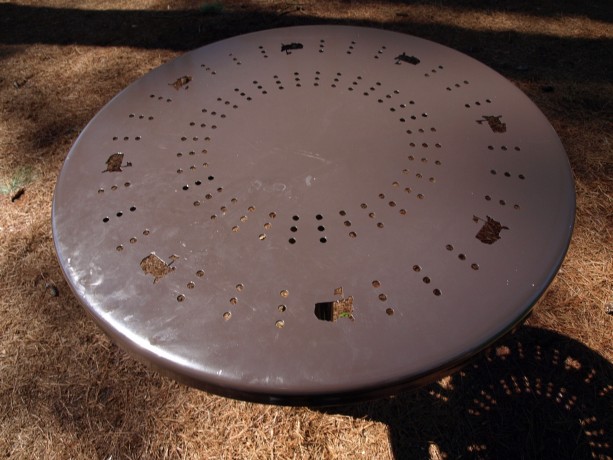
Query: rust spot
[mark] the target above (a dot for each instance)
(494, 123)
(181, 81)
(153, 265)
(114, 163)
(406, 58)
(331, 311)
(490, 231)
(291, 46)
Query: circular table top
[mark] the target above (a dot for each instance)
(313, 215)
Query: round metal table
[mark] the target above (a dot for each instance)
(313, 215)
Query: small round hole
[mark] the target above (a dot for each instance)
(282, 308)
(133, 240)
(323, 239)
(284, 293)
(280, 324)
(296, 218)
(389, 311)
(227, 315)
(376, 284)
(449, 247)
(191, 285)
(200, 273)
(462, 256)
(321, 228)
(292, 241)
(474, 266)
(352, 234)
(319, 217)
(119, 248)
(233, 300)
(146, 232)
(437, 292)
(382, 297)
(180, 298)
(426, 279)
(105, 220)
(416, 268)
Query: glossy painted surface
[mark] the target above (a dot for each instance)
(211, 209)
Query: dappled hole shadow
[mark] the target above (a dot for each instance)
(537, 394)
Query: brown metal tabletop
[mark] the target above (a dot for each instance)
(313, 215)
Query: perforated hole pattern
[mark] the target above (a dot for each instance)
(218, 200)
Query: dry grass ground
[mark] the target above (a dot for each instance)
(67, 392)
